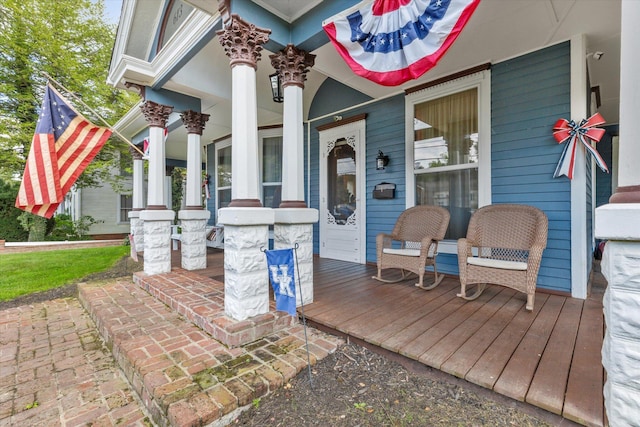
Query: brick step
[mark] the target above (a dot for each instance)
(182, 374)
(201, 300)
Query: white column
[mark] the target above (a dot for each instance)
(157, 218)
(619, 223)
(155, 189)
(244, 130)
(168, 188)
(629, 154)
(138, 184)
(292, 144)
(193, 217)
(194, 171)
(137, 226)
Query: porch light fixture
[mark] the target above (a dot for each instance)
(276, 87)
(381, 160)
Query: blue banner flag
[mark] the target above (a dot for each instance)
(281, 274)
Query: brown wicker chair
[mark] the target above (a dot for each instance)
(509, 240)
(413, 243)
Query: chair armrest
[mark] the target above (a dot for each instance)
(465, 247)
(428, 245)
(385, 239)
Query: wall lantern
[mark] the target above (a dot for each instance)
(381, 160)
(276, 87)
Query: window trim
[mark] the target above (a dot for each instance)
(227, 142)
(482, 82)
(120, 208)
(262, 135)
(219, 145)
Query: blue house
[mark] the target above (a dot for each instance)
(300, 163)
(474, 130)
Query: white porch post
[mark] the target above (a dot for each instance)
(168, 170)
(293, 220)
(618, 222)
(246, 222)
(193, 218)
(137, 202)
(157, 218)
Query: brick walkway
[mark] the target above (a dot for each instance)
(52, 353)
(56, 371)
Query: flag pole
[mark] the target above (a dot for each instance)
(77, 98)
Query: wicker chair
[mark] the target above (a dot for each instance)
(413, 244)
(509, 240)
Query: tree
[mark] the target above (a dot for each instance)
(69, 40)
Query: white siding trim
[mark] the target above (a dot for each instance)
(579, 251)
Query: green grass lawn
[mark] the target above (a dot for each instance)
(28, 272)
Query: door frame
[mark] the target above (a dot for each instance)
(356, 130)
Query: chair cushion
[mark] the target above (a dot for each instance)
(497, 263)
(404, 252)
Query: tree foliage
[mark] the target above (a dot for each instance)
(69, 40)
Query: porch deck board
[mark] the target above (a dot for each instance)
(547, 389)
(489, 367)
(586, 377)
(466, 356)
(518, 373)
(549, 358)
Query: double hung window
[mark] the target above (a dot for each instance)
(449, 149)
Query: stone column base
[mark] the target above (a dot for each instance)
(193, 239)
(619, 225)
(137, 230)
(295, 225)
(246, 278)
(157, 242)
(621, 346)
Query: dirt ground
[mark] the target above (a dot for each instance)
(357, 387)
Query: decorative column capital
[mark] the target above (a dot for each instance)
(140, 89)
(194, 121)
(136, 154)
(293, 65)
(156, 114)
(242, 41)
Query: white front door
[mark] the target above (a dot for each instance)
(342, 193)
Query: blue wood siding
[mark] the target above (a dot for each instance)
(528, 95)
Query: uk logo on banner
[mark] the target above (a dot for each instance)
(281, 275)
(392, 41)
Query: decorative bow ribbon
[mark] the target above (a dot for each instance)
(569, 130)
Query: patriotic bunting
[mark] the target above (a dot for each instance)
(63, 145)
(393, 41)
(569, 130)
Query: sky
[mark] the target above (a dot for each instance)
(112, 10)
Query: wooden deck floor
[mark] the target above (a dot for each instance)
(549, 358)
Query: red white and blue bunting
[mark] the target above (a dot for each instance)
(569, 130)
(393, 41)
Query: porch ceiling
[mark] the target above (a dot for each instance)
(499, 30)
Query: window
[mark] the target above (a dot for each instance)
(449, 149)
(223, 174)
(270, 163)
(126, 204)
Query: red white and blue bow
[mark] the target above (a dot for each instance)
(393, 41)
(565, 130)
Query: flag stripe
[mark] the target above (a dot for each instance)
(62, 147)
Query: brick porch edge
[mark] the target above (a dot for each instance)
(182, 375)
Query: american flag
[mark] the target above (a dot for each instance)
(63, 145)
(392, 41)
